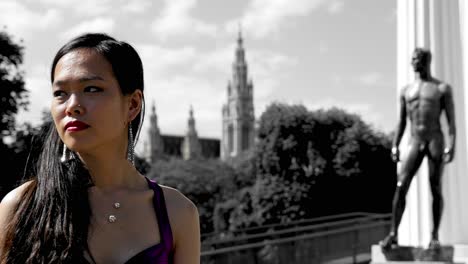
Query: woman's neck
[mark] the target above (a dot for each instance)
(111, 172)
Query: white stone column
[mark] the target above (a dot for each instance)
(435, 25)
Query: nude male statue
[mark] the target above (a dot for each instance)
(423, 101)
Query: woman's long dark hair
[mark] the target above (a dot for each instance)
(50, 224)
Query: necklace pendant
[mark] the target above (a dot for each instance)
(116, 205)
(112, 219)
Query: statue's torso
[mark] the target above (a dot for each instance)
(424, 106)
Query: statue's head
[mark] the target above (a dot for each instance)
(421, 59)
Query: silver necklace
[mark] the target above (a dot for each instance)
(112, 218)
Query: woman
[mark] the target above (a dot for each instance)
(88, 203)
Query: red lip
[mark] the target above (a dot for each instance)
(76, 126)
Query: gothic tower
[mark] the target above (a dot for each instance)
(191, 148)
(155, 140)
(238, 113)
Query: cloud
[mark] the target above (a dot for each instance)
(178, 77)
(323, 47)
(217, 60)
(264, 89)
(24, 21)
(337, 79)
(174, 84)
(175, 20)
(87, 8)
(391, 17)
(366, 110)
(173, 97)
(370, 78)
(93, 8)
(335, 7)
(266, 69)
(54, 2)
(136, 6)
(38, 85)
(159, 61)
(101, 24)
(268, 63)
(263, 17)
(260, 62)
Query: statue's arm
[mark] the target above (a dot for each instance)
(450, 114)
(401, 122)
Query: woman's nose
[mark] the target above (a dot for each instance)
(74, 106)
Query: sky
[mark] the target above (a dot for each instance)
(319, 53)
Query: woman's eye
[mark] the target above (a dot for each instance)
(92, 89)
(58, 93)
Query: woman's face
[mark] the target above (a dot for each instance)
(88, 107)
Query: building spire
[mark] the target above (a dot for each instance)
(191, 122)
(239, 37)
(191, 111)
(153, 117)
(238, 114)
(240, 53)
(191, 147)
(155, 140)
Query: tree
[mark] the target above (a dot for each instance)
(236, 212)
(244, 167)
(285, 158)
(21, 156)
(13, 95)
(315, 163)
(204, 182)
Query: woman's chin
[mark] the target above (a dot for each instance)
(78, 148)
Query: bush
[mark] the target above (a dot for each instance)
(204, 182)
(318, 163)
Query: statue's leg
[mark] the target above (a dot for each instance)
(436, 165)
(409, 167)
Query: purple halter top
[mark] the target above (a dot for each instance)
(161, 253)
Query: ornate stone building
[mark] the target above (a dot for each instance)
(187, 147)
(155, 140)
(191, 148)
(237, 128)
(238, 113)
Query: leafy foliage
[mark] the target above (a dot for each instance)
(305, 164)
(13, 95)
(318, 163)
(20, 157)
(205, 182)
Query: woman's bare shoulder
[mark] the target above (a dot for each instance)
(176, 201)
(182, 212)
(11, 200)
(14, 196)
(9, 204)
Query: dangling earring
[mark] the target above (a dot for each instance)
(65, 154)
(130, 148)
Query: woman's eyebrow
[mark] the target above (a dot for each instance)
(81, 79)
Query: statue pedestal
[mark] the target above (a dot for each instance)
(404, 254)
